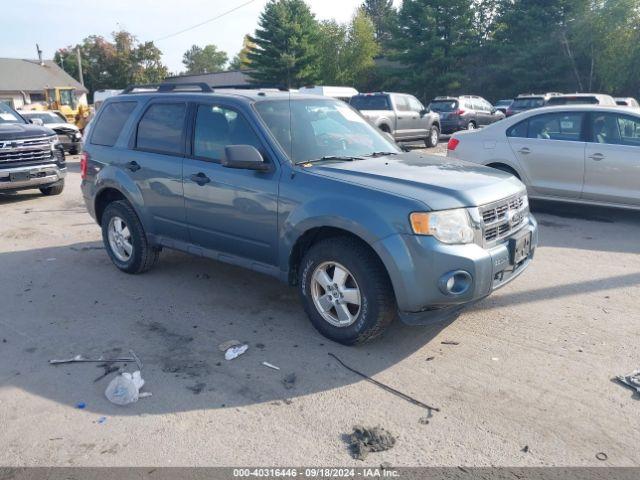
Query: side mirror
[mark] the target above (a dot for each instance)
(493, 110)
(424, 111)
(37, 121)
(244, 157)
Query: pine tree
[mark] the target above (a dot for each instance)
(286, 45)
(383, 15)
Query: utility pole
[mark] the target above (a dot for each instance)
(79, 65)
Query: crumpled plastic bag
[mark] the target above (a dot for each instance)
(125, 389)
(235, 351)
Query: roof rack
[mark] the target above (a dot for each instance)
(169, 87)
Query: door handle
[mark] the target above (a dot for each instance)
(596, 156)
(200, 178)
(133, 166)
(524, 151)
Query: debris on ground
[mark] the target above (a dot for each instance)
(102, 420)
(81, 359)
(389, 389)
(365, 440)
(601, 456)
(632, 380)
(198, 388)
(223, 347)
(525, 449)
(289, 381)
(81, 405)
(137, 359)
(235, 352)
(423, 420)
(430, 358)
(270, 365)
(125, 388)
(109, 368)
(449, 342)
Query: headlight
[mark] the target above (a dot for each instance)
(77, 135)
(53, 141)
(448, 226)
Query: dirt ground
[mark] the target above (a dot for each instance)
(523, 379)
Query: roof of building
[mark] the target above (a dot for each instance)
(217, 79)
(29, 75)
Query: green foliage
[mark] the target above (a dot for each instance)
(286, 45)
(204, 60)
(241, 60)
(113, 64)
(384, 17)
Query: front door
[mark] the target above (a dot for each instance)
(612, 169)
(229, 211)
(550, 151)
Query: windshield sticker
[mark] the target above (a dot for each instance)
(566, 124)
(8, 117)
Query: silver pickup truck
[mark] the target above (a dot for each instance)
(401, 115)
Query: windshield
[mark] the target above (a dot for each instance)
(46, 117)
(503, 103)
(522, 103)
(371, 102)
(572, 101)
(313, 129)
(444, 105)
(8, 115)
(68, 97)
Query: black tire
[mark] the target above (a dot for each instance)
(53, 189)
(434, 133)
(143, 255)
(472, 125)
(378, 305)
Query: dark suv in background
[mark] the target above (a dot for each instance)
(466, 112)
(527, 101)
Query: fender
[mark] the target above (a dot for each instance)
(113, 177)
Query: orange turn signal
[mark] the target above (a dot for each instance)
(420, 223)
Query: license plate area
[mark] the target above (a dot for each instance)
(519, 247)
(19, 176)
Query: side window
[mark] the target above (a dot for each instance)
(519, 130)
(161, 128)
(111, 122)
(401, 103)
(556, 126)
(615, 129)
(415, 105)
(216, 127)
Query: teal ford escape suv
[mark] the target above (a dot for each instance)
(303, 188)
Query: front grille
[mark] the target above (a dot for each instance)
(501, 219)
(30, 150)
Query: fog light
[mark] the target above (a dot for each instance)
(455, 283)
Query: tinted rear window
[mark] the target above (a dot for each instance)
(444, 105)
(111, 122)
(523, 103)
(161, 128)
(573, 101)
(371, 102)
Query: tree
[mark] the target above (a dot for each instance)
(241, 60)
(204, 60)
(384, 18)
(434, 39)
(286, 45)
(114, 64)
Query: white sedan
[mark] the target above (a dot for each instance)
(583, 154)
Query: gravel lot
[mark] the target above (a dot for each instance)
(532, 366)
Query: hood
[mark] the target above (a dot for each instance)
(18, 131)
(68, 127)
(438, 182)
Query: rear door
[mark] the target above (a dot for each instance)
(612, 168)
(404, 116)
(229, 211)
(154, 163)
(551, 152)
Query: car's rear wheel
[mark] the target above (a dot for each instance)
(433, 137)
(125, 240)
(346, 291)
(53, 189)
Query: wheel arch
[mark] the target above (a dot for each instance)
(505, 167)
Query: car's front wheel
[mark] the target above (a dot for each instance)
(346, 291)
(125, 240)
(471, 125)
(433, 137)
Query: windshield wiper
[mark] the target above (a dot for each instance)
(343, 158)
(380, 154)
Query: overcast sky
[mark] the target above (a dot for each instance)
(57, 23)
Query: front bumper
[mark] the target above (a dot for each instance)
(39, 175)
(416, 265)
